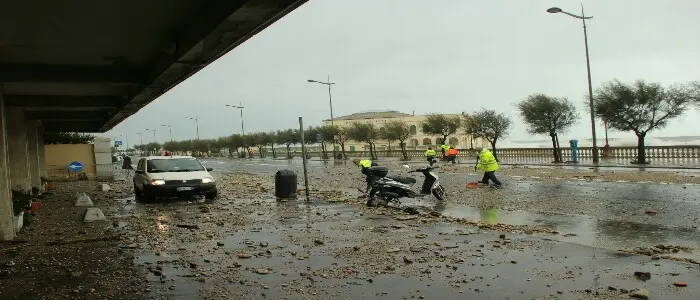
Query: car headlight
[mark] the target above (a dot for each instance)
(157, 182)
(207, 180)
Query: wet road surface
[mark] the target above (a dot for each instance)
(597, 213)
(247, 245)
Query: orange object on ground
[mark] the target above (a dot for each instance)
(35, 207)
(472, 185)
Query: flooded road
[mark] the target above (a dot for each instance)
(249, 245)
(607, 214)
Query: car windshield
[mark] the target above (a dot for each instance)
(174, 165)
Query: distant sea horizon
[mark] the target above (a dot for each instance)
(614, 142)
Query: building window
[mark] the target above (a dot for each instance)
(382, 131)
(426, 142)
(414, 130)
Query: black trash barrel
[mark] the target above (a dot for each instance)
(285, 184)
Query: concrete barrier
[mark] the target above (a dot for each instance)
(94, 214)
(83, 200)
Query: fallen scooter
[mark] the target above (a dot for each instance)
(392, 188)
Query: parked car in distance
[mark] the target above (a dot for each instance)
(172, 176)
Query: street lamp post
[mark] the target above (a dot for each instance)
(140, 135)
(196, 121)
(240, 106)
(583, 19)
(330, 103)
(154, 134)
(170, 127)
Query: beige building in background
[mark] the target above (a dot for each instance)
(419, 140)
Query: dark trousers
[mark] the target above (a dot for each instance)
(452, 158)
(490, 176)
(431, 159)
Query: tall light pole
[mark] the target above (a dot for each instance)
(196, 121)
(330, 103)
(170, 127)
(141, 135)
(583, 18)
(154, 134)
(241, 108)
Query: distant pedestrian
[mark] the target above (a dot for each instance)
(487, 163)
(126, 165)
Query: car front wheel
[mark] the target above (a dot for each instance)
(138, 194)
(211, 195)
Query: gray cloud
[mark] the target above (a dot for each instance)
(431, 56)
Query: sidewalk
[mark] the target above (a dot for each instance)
(58, 256)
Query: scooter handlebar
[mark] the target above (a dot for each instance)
(424, 169)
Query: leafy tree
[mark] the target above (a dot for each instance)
(489, 125)
(52, 138)
(548, 115)
(365, 132)
(341, 137)
(272, 140)
(641, 107)
(441, 125)
(399, 131)
(233, 143)
(329, 133)
(289, 137)
(249, 140)
(260, 140)
(152, 148)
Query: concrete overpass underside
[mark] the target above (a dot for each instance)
(85, 66)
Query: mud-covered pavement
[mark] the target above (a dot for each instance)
(542, 236)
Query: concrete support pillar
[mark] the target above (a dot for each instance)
(20, 179)
(42, 152)
(33, 155)
(7, 228)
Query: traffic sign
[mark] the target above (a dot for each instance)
(75, 166)
(117, 143)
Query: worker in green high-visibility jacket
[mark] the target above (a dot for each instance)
(487, 163)
(430, 155)
(445, 148)
(365, 165)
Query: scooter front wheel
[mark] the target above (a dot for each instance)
(439, 192)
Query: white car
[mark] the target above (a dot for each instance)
(172, 176)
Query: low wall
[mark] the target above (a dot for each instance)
(671, 155)
(59, 156)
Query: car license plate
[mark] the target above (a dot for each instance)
(185, 188)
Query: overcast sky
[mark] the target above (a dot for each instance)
(431, 56)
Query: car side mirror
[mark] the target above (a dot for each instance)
(210, 169)
(138, 172)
